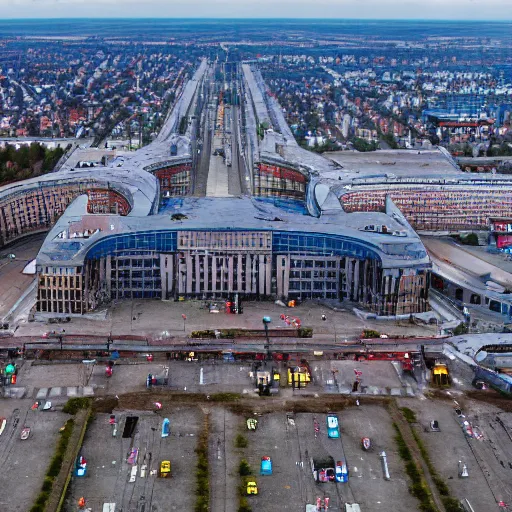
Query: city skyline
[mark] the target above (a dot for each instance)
(437, 10)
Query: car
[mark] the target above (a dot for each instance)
(341, 472)
(333, 430)
(252, 423)
(266, 466)
(327, 475)
(80, 466)
(434, 426)
(165, 468)
(251, 488)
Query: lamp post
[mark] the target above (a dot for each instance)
(266, 320)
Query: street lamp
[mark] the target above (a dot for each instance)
(266, 320)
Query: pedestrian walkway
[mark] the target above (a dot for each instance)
(70, 392)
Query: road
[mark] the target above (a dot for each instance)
(13, 281)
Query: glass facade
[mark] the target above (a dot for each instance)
(154, 241)
(291, 242)
(295, 242)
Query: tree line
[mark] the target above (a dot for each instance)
(27, 161)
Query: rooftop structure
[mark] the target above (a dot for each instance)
(309, 226)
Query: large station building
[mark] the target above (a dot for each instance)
(126, 226)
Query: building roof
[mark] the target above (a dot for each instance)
(238, 214)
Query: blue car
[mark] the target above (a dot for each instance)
(266, 466)
(341, 472)
(333, 429)
(166, 427)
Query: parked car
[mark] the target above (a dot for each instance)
(333, 430)
(252, 488)
(327, 475)
(165, 468)
(341, 472)
(266, 466)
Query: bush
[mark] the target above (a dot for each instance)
(460, 329)
(47, 484)
(244, 505)
(241, 441)
(244, 469)
(469, 239)
(202, 471)
(409, 414)
(224, 397)
(55, 465)
(418, 488)
(73, 405)
(203, 334)
(42, 498)
(370, 334)
(305, 332)
(451, 504)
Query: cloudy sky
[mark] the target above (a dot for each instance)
(374, 9)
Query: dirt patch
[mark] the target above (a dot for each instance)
(247, 405)
(492, 397)
(105, 404)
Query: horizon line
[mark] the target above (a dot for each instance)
(257, 18)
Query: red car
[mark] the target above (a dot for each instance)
(326, 475)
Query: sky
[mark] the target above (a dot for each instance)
(500, 10)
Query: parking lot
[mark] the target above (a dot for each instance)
(377, 377)
(488, 459)
(108, 475)
(291, 443)
(24, 463)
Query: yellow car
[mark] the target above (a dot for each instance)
(252, 488)
(165, 468)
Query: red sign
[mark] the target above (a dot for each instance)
(183, 316)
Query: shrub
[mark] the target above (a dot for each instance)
(224, 397)
(469, 239)
(42, 498)
(451, 504)
(202, 471)
(370, 334)
(305, 332)
(409, 414)
(47, 484)
(241, 441)
(203, 334)
(73, 405)
(460, 329)
(244, 469)
(244, 505)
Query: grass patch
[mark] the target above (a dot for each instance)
(225, 397)
(73, 405)
(244, 506)
(202, 470)
(54, 468)
(241, 441)
(418, 488)
(450, 503)
(409, 414)
(244, 469)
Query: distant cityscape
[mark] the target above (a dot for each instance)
(341, 90)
